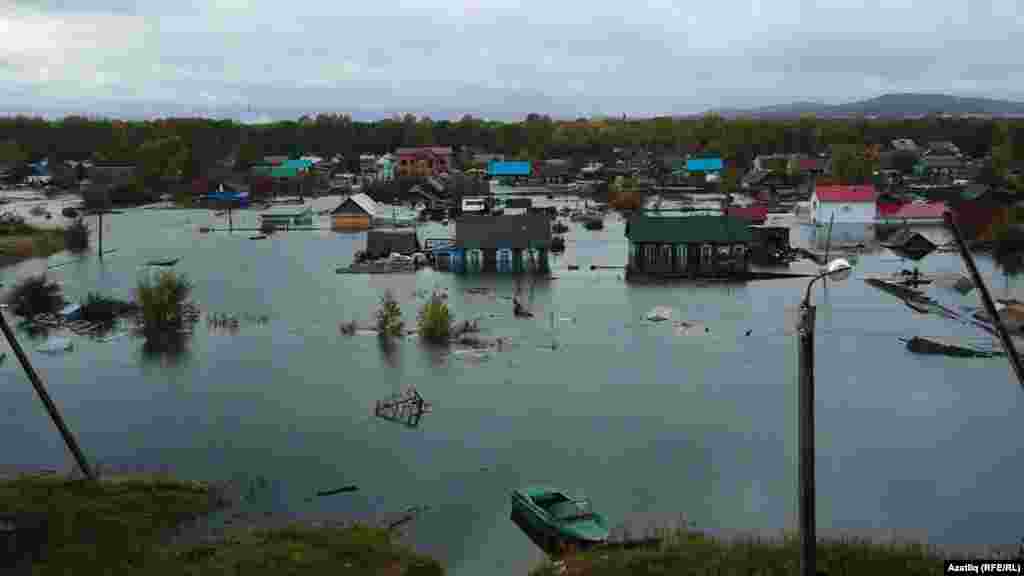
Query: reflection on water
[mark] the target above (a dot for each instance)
(166, 349)
(389, 351)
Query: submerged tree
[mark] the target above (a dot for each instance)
(163, 302)
(435, 320)
(389, 316)
(35, 295)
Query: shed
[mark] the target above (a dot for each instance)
(355, 213)
(910, 244)
(382, 243)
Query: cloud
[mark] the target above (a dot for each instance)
(574, 56)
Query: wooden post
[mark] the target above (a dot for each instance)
(51, 408)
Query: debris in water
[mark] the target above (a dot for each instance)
(748, 332)
(348, 488)
(659, 314)
(56, 346)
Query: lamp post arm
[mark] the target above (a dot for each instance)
(807, 295)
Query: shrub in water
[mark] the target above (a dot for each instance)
(435, 320)
(76, 236)
(34, 295)
(389, 316)
(162, 301)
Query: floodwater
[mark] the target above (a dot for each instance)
(644, 418)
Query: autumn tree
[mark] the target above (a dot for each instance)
(851, 164)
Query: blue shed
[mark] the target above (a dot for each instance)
(498, 168)
(704, 165)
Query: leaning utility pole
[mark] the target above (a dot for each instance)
(51, 408)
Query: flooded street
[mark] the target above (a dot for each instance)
(642, 417)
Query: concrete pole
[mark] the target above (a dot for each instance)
(808, 532)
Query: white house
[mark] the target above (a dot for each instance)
(848, 204)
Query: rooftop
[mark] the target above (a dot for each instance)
(858, 193)
(688, 229)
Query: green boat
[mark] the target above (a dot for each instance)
(557, 518)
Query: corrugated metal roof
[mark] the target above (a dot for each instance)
(860, 193)
(362, 201)
(498, 168)
(688, 229)
(704, 164)
(511, 231)
(912, 210)
(756, 214)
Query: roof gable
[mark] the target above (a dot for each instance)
(357, 202)
(854, 194)
(688, 229)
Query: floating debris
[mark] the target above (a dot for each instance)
(922, 345)
(348, 488)
(482, 291)
(163, 262)
(406, 408)
(56, 346)
(659, 314)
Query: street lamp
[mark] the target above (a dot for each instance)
(837, 270)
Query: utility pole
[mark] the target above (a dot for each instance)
(51, 408)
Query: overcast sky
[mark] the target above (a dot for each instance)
(501, 58)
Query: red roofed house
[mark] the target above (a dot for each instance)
(893, 212)
(424, 161)
(847, 204)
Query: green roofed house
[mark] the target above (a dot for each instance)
(698, 246)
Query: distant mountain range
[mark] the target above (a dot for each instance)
(886, 106)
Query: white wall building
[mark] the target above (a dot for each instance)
(847, 204)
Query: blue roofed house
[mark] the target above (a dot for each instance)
(508, 170)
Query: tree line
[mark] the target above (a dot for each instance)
(187, 147)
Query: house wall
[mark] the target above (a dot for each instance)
(350, 222)
(845, 212)
(694, 260)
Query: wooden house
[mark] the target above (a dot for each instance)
(513, 243)
(355, 213)
(688, 246)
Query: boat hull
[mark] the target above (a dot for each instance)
(557, 534)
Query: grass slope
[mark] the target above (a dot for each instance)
(121, 526)
(698, 555)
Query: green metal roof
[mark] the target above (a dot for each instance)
(688, 229)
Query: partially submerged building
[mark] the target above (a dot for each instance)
(355, 213)
(688, 246)
(513, 243)
(843, 204)
(381, 243)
